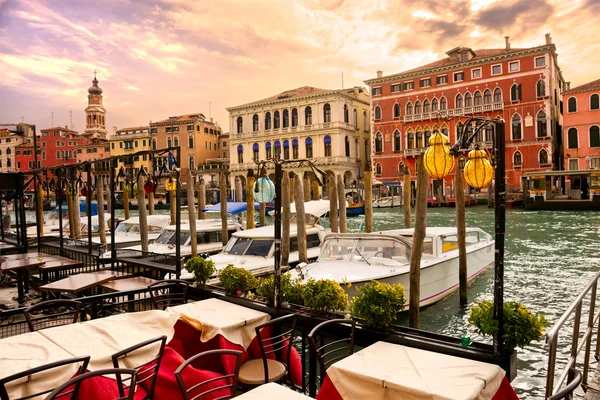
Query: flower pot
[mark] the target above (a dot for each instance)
(509, 364)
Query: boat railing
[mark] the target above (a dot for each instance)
(571, 319)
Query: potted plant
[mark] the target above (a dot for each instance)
(325, 295)
(201, 268)
(378, 304)
(292, 290)
(237, 280)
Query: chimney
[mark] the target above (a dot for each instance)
(380, 74)
(567, 86)
(548, 38)
(355, 90)
(507, 39)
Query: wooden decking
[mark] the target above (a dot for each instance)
(593, 392)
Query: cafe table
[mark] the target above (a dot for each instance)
(387, 371)
(21, 267)
(272, 391)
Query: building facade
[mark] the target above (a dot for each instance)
(9, 141)
(582, 126)
(128, 141)
(55, 146)
(522, 86)
(329, 127)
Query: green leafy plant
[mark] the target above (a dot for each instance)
(201, 268)
(292, 290)
(521, 326)
(325, 295)
(378, 304)
(236, 280)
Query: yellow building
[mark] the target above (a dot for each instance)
(128, 141)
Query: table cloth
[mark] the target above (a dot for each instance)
(272, 391)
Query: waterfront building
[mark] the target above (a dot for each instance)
(55, 146)
(128, 141)
(330, 127)
(582, 126)
(9, 141)
(521, 85)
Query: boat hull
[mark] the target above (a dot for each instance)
(355, 210)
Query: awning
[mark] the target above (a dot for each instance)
(232, 207)
(240, 148)
(255, 147)
(327, 139)
(392, 183)
(308, 140)
(268, 145)
(286, 143)
(277, 144)
(295, 142)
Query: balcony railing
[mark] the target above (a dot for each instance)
(454, 112)
(413, 152)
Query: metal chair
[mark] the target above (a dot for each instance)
(567, 391)
(43, 368)
(65, 389)
(146, 371)
(265, 370)
(232, 379)
(168, 292)
(56, 313)
(325, 352)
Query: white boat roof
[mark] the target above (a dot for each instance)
(153, 220)
(430, 231)
(204, 225)
(268, 232)
(318, 208)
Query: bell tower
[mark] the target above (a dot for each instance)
(95, 114)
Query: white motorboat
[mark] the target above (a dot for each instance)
(353, 259)
(127, 232)
(51, 226)
(388, 202)
(54, 231)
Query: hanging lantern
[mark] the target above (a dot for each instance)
(171, 185)
(478, 169)
(149, 186)
(438, 161)
(71, 190)
(85, 191)
(264, 190)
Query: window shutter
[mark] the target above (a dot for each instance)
(520, 92)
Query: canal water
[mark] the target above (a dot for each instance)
(549, 258)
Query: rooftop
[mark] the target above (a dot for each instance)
(182, 118)
(594, 85)
(61, 128)
(303, 91)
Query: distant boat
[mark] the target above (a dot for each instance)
(52, 223)
(388, 202)
(128, 233)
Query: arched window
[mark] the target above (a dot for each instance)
(268, 150)
(308, 115)
(240, 125)
(543, 157)
(445, 131)
(286, 119)
(400, 168)
(443, 104)
(410, 140)
(419, 139)
(594, 102)
(378, 143)
(365, 121)
(8, 163)
(286, 149)
(542, 126)
(267, 121)
(327, 143)
(89, 119)
(378, 170)
(487, 96)
(397, 146)
(434, 105)
(240, 150)
(255, 155)
(458, 101)
(409, 108)
(277, 146)
(468, 100)
(477, 100)
(516, 127)
(346, 114)
(594, 136)
(427, 136)
(396, 110)
(377, 113)
(276, 120)
(295, 149)
(540, 88)
(517, 159)
(58, 151)
(309, 148)
(255, 123)
(190, 141)
(426, 106)
(489, 133)
(347, 146)
(327, 113)
(43, 155)
(497, 95)
(153, 144)
(573, 138)
(294, 117)
(515, 92)
(176, 141)
(572, 104)
(355, 114)
(417, 107)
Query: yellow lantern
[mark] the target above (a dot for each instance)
(438, 161)
(171, 185)
(478, 169)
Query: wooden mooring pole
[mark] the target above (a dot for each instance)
(223, 189)
(143, 217)
(341, 194)
(406, 200)
(368, 183)
(100, 201)
(333, 203)
(300, 220)
(192, 213)
(201, 199)
(250, 199)
(285, 220)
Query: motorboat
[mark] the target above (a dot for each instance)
(388, 202)
(128, 232)
(51, 224)
(353, 259)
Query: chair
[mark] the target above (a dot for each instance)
(169, 292)
(65, 389)
(56, 313)
(567, 391)
(325, 351)
(37, 370)
(268, 369)
(230, 379)
(148, 370)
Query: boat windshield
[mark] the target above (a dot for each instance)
(128, 228)
(364, 250)
(249, 247)
(168, 237)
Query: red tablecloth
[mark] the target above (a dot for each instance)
(329, 392)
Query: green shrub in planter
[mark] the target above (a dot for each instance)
(521, 326)
(325, 295)
(378, 304)
(292, 290)
(201, 268)
(236, 279)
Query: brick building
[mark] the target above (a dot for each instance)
(521, 85)
(55, 146)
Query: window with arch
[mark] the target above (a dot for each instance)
(190, 142)
(192, 164)
(434, 105)
(286, 149)
(153, 144)
(515, 92)
(468, 100)
(240, 125)
(417, 107)
(594, 136)
(9, 163)
(419, 139)
(355, 116)
(572, 105)
(309, 148)
(255, 123)
(410, 140)
(347, 146)
(426, 137)
(240, 151)
(516, 127)
(377, 113)
(540, 88)
(477, 98)
(489, 133)
(276, 120)
(445, 131)
(378, 170)
(255, 152)
(543, 157)
(409, 108)
(58, 153)
(327, 143)
(277, 146)
(43, 155)
(365, 121)
(517, 159)
(327, 113)
(426, 106)
(487, 96)
(308, 115)
(542, 126)
(595, 102)
(286, 118)
(497, 95)
(458, 102)
(176, 141)
(397, 141)
(396, 110)
(346, 114)
(443, 104)
(378, 143)
(268, 150)
(267, 121)
(572, 138)
(295, 154)
(294, 117)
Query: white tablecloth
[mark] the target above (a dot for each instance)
(272, 391)
(385, 371)
(217, 317)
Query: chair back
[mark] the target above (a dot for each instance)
(38, 370)
(54, 313)
(231, 379)
(70, 389)
(147, 371)
(278, 343)
(168, 292)
(567, 391)
(333, 351)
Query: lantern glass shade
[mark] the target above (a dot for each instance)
(438, 160)
(478, 169)
(171, 185)
(263, 190)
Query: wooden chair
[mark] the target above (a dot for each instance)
(146, 371)
(56, 313)
(168, 292)
(265, 370)
(37, 370)
(567, 391)
(232, 379)
(65, 389)
(331, 352)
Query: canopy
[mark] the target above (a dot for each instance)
(308, 140)
(82, 207)
(232, 207)
(295, 142)
(277, 144)
(255, 147)
(327, 139)
(268, 145)
(286, 143)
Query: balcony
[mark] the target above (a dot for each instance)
(413, 152)
(454, 112)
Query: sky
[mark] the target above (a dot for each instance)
(157, 59)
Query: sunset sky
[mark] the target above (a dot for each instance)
(161, 58)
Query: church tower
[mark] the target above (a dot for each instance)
(95, 114)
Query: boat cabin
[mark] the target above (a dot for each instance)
(562, 190)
